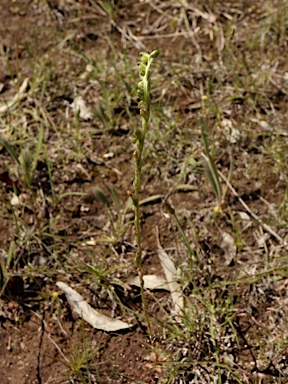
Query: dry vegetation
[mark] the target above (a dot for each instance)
(213, 194)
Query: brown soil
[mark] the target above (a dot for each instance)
(41, 338)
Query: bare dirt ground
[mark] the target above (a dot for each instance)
(225, 63)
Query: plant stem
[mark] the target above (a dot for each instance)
(139, 140)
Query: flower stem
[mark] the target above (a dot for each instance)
(139, 136)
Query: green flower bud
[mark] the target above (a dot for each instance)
(144, 114)
(140, 94)
(144, 57)
(142, 69)
(137, 135)
(154, 54)
(140, 85)
(136, 183)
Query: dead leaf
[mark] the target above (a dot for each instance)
(232, 134)
(171, 277)
(90, 242)
(89, 314)
(15, 201)
(229, 247)
(79, 106)
(150, 282)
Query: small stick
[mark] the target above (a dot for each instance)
(265, 226)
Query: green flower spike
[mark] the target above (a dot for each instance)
(143, 92)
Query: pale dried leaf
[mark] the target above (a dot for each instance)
(15, 201)
(89, 314)
(232, 134)
(229, 247)
(89, 242)
(79, 106)
(150, 282)
(171, 277)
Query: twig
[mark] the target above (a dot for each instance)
(265, 226)
(46, 328)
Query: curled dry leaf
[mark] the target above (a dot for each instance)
(89, 314)
(150, 282)
(171, 277)
(79, 106)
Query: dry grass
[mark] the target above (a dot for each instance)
(65, 175)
